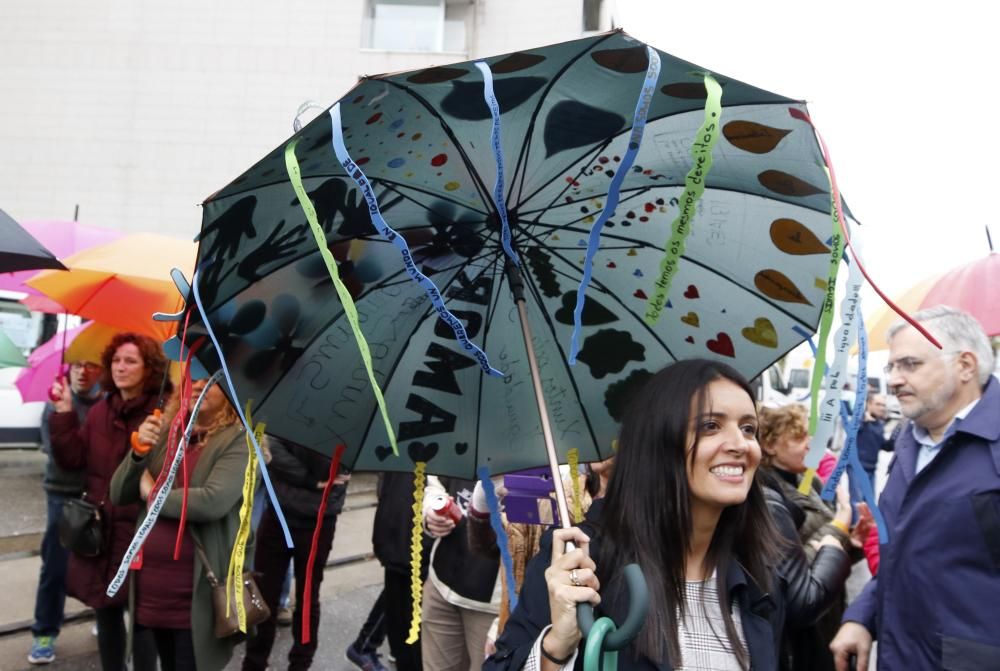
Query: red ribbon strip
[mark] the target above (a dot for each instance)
(307, 589)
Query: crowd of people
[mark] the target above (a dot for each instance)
(744, 570)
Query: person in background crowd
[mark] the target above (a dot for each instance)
(391, 535)
(133, 369)
(59, 485)
(299, 476)
(684, 503)
(933, 603)
(784, 438)
(871, 435)
(462, 591)
(173, 597)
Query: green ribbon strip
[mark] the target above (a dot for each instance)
(701, 152)
(826, 318)
(295, 175)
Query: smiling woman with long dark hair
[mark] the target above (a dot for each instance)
(684, 503)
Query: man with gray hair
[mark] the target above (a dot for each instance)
(934, 602)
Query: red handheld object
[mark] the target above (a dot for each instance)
(446, 507)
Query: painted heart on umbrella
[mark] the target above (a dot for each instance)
(691, 319)
(691, 292)
(421, 452)
(383, 452)
(609, 351)
(722, 344)
(761, 333)
(461, 448)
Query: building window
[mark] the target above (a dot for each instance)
(592, 15)
(414, 25)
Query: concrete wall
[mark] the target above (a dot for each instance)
(139, 109)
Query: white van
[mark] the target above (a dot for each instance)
(19, 421)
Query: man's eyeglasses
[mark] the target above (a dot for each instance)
(908, 364)
(85, 365)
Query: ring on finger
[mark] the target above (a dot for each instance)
(574, 578)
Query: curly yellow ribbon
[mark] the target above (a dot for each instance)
(416, 548)
(237, 558)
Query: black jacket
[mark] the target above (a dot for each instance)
(810, 590)
(295, 473)
(762, 614)
(391, 532)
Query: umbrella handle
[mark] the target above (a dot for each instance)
(611, 638)
(138, 446)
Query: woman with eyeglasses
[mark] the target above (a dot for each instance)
(684, 502)
(134, 367)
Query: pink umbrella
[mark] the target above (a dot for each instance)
(973, 288)
(85, 342)
(62, 238)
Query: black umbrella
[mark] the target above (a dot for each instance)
(20, 251)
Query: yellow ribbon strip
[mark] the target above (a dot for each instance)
(416, 550)
(701, 152)
(295, 175)
(237, 560)
(573, 457)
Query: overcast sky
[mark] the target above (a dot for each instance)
(903, 93)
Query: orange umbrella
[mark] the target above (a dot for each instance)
(122, 283)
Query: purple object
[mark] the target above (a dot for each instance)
(530, 497)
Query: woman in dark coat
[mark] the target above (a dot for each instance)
(173, 598)
(683, 503)
(134, 367)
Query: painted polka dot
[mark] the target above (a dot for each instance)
(439, 160)
(396, 124)
(397, 162)
(373, 118)
(451, 186)
(417, 136)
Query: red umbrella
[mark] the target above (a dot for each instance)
(972, 288)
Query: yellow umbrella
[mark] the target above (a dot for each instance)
(879, 322)
(122, 283)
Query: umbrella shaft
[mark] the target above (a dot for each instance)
(543, 413)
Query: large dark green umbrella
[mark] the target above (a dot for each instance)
(20, 251)
(749, 285)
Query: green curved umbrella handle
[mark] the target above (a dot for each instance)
(638, 606)
(595, 658)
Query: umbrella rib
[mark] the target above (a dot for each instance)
(605, 290)
(399, 186)
(520, 168)
(629, 130)
(484, 193)
(392, 370)
(594, 150)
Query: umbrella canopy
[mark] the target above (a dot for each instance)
(83, 343)
(967, 287)
(20, 251)
(122, 283)
(972, 288)
(62, 238)
(750, 282)
(10, 354)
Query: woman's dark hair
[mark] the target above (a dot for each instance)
(647, 510)
(153, 360)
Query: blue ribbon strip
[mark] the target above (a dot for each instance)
(497, 523)
(499, 198)
(239, 411)
(849, 455)
(355, 173)
(635, 140)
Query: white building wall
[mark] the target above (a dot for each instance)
(139, 109)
